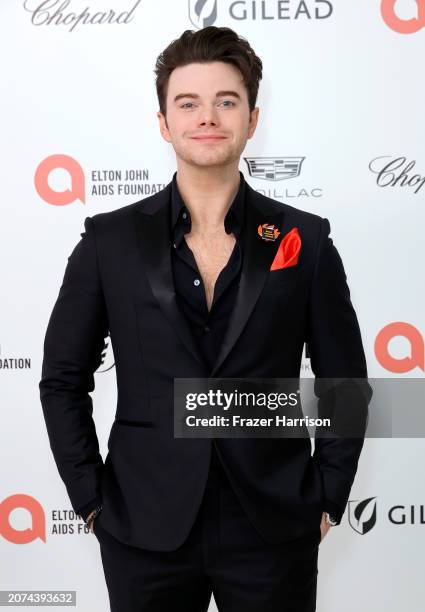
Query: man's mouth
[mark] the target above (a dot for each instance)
(208, 138)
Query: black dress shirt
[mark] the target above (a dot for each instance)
(208, 326)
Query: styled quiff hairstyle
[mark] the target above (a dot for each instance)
(208, 45)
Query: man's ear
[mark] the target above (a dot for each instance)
(163, 127)
(253, 120)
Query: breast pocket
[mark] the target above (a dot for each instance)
(285, 280)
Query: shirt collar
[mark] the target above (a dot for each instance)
(233, 221)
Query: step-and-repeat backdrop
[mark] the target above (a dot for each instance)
(342, 109)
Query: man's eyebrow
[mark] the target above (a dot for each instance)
(219, 94)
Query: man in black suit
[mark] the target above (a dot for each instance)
(192, 282)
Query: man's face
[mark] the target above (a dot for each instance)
(207, 100)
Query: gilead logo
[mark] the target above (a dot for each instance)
(22, 536)
(362, 515)
(76, 177)
(396, 23)
(405, 364)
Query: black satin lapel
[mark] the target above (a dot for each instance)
(258, 255)
(154, 240)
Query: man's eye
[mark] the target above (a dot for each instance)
(230, 102)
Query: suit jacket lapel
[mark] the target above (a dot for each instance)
(154, 239)
(258, 255)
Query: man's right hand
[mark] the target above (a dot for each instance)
(89, 520)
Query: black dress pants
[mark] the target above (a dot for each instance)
(223, 554)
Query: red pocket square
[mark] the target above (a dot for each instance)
(288, 251)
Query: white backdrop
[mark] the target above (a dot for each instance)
(342, 87)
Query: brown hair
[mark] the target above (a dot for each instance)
(208, 45)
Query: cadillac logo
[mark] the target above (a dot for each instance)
(274, 168)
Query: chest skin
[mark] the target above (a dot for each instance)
(211, 254)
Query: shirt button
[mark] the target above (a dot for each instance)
(184, 215)
(174, 245)
(196, 282)
(207, 329)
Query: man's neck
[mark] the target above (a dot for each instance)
(208, 194)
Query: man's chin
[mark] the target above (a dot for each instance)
(210, 161)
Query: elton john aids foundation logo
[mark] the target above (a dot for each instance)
(406, 332)
(391, 14)
(76, 180)
(37, 529)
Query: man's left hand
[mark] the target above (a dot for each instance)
(324, 526)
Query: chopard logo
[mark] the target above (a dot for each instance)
(57, 13)
(396, 173)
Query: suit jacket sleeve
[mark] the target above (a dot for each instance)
(73, 347)
(336, 352)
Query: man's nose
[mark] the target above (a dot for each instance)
(209, 116)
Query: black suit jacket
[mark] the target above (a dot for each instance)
(119, 280)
